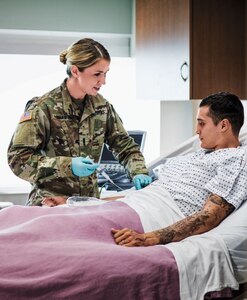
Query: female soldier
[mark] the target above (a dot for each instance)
(60, 135)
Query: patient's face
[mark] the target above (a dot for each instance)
(209, 133)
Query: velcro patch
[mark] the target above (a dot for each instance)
(25, 117)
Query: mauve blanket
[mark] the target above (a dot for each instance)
(69, 253)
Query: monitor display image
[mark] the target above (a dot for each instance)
(107, 156)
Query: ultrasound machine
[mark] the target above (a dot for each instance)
(117, 176)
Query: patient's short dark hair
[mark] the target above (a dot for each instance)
(225, 105)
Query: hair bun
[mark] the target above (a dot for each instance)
(62, 56)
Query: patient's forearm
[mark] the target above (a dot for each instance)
(194, 224)
(215, 210)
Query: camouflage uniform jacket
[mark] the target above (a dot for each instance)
(52, 131)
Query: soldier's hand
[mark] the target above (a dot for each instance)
(83, 166)
(141, 181)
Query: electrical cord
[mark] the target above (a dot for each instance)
(100, 191)
(107, 177)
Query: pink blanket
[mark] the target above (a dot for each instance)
(69, 253)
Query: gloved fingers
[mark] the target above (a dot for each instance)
(148, 180)
(91, 167)
(144, 181)
(90, 163)
(137, 183)
(87, 160)
(141, 181)
(83, 166)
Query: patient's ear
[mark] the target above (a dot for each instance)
(225, 125)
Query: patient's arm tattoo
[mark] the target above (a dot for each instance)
(214, 211)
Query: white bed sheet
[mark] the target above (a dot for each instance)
(204, 266)
(206, 262)
(233, 231)
(201, 256)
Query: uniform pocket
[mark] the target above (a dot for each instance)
(24, 134)
(67, 137)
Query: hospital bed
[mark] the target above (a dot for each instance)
(58, 253)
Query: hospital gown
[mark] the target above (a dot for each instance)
(190, 179)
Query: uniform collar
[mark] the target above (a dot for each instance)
(72, 109)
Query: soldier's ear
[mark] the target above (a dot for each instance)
(74, 71)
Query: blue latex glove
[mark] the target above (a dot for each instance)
(83, 166)
(141, 181)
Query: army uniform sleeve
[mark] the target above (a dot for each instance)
(123, 146)
(26, 157)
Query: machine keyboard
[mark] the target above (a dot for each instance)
(112, 168)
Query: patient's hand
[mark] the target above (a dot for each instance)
(53, 201)
(130, 238)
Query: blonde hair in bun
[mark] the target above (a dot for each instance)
(83, 54)
(62, 56)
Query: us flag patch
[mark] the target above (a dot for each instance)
(26, 117)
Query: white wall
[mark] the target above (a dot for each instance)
(25, 76)
(178, 122)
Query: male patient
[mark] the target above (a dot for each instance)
(205, 186)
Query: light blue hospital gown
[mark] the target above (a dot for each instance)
(190, 179)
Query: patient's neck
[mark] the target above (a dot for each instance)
(228, 143)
